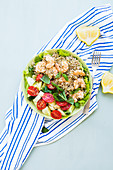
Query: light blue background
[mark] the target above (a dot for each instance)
(25, 25)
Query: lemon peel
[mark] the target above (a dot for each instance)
(88, 34)
(107, 82)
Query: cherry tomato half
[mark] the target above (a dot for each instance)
(56, 114)
(61, 103)
(48, 97)
(32, 91)
(39, 76)
(50, 86)
(66, 107)
(41, 104)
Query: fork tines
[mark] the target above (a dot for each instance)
(96, 58)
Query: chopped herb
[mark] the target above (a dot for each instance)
(31, 71)
(58, 75)
(81, 102)
(75, 91)
(63, 96)
(87, 97)
(70, 100)
(44, 130)
(46, 79)
(77, 105)
(65, 76)
(46, 90)
(57, 97)
(68, 113)
(60, 89)
(30, 98)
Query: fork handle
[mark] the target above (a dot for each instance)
(86, 107)
(92, 81)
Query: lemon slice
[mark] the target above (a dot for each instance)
(88, 34)
(107, 82)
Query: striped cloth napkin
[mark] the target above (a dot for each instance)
(23, 126)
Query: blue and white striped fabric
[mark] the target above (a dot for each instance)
(23, 125)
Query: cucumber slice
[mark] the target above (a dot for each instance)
(30, 81)
(72, 107)
(63, 114)
(52, 105)
(46, 111)
(38, 97)
(38, 85)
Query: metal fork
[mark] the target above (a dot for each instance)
(95, 64)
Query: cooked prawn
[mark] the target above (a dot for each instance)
(50, 61)
(40, 67)
(78, 95)
(79, 73)
(63, 67)
(51, 72)
(76, 84)
(74, 97)
(81, 82)
(62, 79)
(54, 71)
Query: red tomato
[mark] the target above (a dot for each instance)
(56, 114)
(50, 86)
(66, 107)
(32, 91)
(39, 76)
(48, 97)
(61, 103)
(41, 104)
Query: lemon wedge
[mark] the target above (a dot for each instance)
(88, 34)
(107, 82)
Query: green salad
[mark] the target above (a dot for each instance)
(56, 83)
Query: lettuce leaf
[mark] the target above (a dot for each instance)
(38, 58)
(63, 53)
(46, 79)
